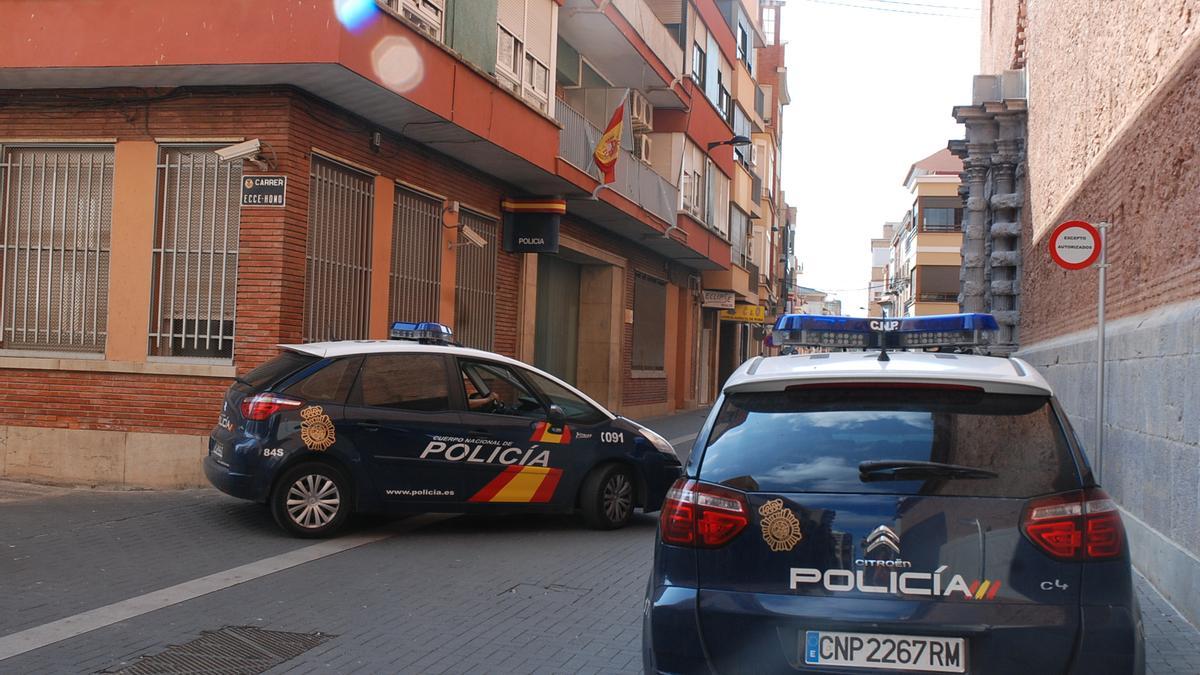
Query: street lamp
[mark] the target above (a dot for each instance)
(735, 141)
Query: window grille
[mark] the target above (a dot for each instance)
(194, 278)
(56, 219)
(416, 257)
(338, 270)
(475, 293)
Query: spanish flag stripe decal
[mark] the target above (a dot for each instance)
(982, 590)
(496, 484)
(974, 587)
(523, 486)
(992, 591)
(545, 491)
(520, 485)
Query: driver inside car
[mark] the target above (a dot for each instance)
(476, 399)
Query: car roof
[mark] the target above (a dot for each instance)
(364, 347)
(993, 374)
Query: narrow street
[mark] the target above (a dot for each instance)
(462, 594)
(422, 595)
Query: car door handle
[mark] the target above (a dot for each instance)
(370, 425)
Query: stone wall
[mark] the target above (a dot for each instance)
(1151, 457)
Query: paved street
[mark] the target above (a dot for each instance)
(463, 594)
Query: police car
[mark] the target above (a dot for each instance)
(416, 424)
(874, 510)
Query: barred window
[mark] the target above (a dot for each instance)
(475, 293)
(338, 270)
(194, 278)
(56, 220)
(416, 257)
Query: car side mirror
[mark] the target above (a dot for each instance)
(557, 416)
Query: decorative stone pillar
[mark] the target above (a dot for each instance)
(993, 155)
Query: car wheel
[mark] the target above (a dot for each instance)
(311, 500)
(607, 497)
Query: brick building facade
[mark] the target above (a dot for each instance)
(1109, 135)
(382, 174)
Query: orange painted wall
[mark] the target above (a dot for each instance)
(135, 175)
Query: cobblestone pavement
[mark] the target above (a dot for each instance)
(467, 594)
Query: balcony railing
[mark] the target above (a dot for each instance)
(656, 35)
(635, 180)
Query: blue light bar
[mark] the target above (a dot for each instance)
(943, 330)
(426, 331)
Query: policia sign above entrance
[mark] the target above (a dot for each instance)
(531, 224)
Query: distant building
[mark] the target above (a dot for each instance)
(881, 249)
(924, 263)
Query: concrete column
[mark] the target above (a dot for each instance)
(449, 278)
(381, 259)
(135, 175)
(601, 313)
(527, 308)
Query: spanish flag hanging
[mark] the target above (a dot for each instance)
(608, 149)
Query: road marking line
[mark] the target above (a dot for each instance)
(84, 622)
(682, 439)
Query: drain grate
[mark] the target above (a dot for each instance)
(233, 650)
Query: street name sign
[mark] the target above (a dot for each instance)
(1075, 245)
(264, 191)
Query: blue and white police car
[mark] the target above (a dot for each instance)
(881, 510)
(417, 424)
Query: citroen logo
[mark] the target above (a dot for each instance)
(883, 536)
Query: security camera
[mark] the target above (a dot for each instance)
(473, 236)
(243, 150)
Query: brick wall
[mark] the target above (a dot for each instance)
(1091, 66)
(271, 271)
(1149, 185)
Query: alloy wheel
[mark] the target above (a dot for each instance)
(313, 501)
(617, 497)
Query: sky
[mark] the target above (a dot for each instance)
(872, 88)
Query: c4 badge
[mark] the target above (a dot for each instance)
(780, 528)
(317, 429)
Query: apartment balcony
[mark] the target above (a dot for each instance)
(635, 180)
(627, 42)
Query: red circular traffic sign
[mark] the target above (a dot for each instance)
(1075, 245)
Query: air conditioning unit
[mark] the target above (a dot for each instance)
(641, 112)
(754, 155)
(641, 143)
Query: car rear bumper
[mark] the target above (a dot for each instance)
(241, 485)
(1111, 642)
(690, 630)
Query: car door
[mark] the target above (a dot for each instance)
(514, 456)
(400, 413)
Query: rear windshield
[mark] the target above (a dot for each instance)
(277, 368)
(814, 440)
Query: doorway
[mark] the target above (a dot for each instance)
(556, 328)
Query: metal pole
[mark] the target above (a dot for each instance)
(1100, 356)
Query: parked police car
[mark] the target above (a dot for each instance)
(889, 511)
(416, 424)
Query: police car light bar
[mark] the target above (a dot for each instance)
(944, 330)
(426, 332)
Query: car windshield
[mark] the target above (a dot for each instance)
(815, 441)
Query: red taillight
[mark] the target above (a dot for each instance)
(262, 406)
(701, 515)
(1077, 525)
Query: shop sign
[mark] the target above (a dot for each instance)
(745, 313)
(719, 299)
(264, 191)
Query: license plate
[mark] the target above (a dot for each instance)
(894, 652)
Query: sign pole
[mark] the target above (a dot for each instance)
(1103, 227)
